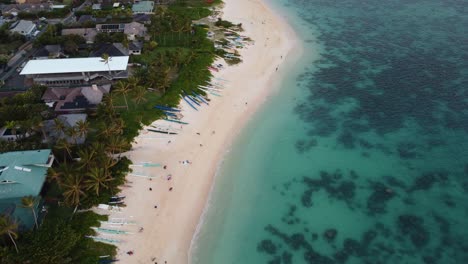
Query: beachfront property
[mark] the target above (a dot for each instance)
(22, 173)
(76, 71)
(143, 7)
(24, 27)
(69, 121)
(76, 99)
(132, 29)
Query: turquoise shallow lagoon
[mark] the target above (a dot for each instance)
(362, 156)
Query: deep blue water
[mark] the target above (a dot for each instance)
(363, 155)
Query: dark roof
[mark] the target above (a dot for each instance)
(41, 52)
(111, 49)
(46, 50)
(135, 45)
(86, 18)
(141, 18)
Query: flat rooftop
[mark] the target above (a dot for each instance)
(93, 64)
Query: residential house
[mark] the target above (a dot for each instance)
(7, 134)
(142, 18)
(90, 19)
(89, 34)
(76, 71)
(24, 27)
(49, 52)
(22, 173)
(143, 7)
(96, 7)
(135, 47)
(134, 30)
(69, 121)
(110, 28)
(111, 49)
(77, 99)
(15, 9)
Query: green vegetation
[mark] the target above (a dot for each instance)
(175, 59)
(56, 13)
(116, 14)
(53, 35)
(9, 43)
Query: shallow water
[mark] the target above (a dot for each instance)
(362, 157)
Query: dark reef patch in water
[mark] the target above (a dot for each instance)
(413, 226)
(377, 201)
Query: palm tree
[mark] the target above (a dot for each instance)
(139, 95)
(106, 59)
(118, 125)
(12, 125)
(165, 80)
(87, 156)
(116, 144)
(97, 179)
(65, 145)
(73, 133)
(60, 173)
(9, 227)
(123, 88)
(108, 105)
(82, 127)
(73, 190)
(59, 127)
(30, 202)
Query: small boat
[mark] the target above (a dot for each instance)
(169, 114)
(200, 98)
(191, 98)
(116, 202)
(210, 88)
(166, 108)
(175, 121)
(118, 197)
(210, 92)
(188, 102)
(162, 132)
(105, 240)
(107, 261)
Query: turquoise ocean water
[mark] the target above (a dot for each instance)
(362, 156)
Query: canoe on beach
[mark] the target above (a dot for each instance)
(176, 121)
(162, 132)
(167, 108)
(188, 102)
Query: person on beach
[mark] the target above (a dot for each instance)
(164, 167)
(150, 189)
(169, 177)
(170, 189)
(140, 230)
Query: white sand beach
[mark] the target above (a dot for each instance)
(168, 229)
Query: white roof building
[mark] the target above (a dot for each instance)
(93, 64)
(62, 72)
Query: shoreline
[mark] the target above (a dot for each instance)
(171, 229)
